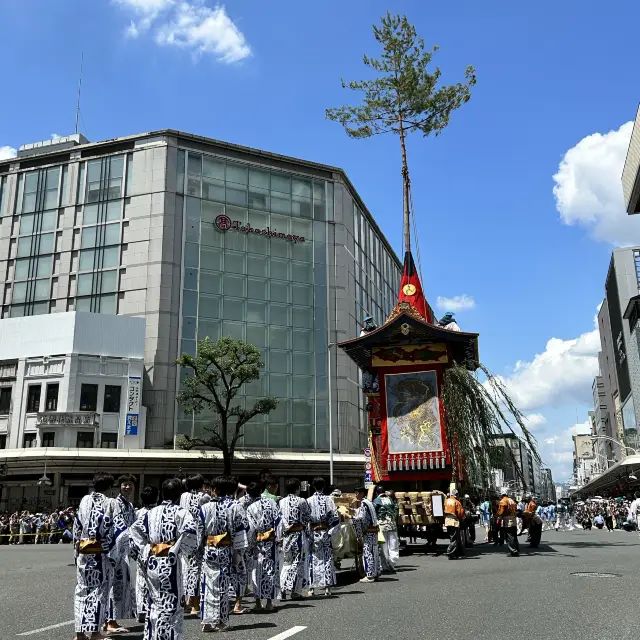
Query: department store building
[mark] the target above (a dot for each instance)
(192, 237)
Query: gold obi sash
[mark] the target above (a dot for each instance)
(320, 527)
(267, 536)
(161, 549)
(221, 540)
(90, 547)
(294, 528)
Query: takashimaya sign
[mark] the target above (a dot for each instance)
(225, 223)
(54, 418)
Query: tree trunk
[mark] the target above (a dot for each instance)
(227, 461)
(405, 191)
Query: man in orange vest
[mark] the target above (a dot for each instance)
(507, 513)
(454, 516)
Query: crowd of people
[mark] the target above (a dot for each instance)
(24, 527)
(200, 550)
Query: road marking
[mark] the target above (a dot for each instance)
(53, 626)
(288, 633)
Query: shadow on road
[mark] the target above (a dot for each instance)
(255, 625)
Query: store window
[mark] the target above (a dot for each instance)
(48, 439)
(33, 398)
(51, 403)
(3, 441)
(109, 441)
(89, 397)
(29, 440)
(112, 398)
(5, 400)
(84, 440)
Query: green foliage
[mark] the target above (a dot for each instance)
(405, 96)
(475, 414)
(218, 372)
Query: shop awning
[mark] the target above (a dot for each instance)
(616, 475)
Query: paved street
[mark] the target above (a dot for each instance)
(486, 595)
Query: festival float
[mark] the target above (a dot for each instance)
(403, 364)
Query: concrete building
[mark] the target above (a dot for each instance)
(604, 448)
(198, 238)
(585, 463)
(68, 381)
(510, 453)
(620, 355)
(631, 170)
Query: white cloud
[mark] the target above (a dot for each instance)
(7, 152)
(534, 420)
(456, 303)
(55, 136)
(588, 189)
(190, 25)
(557, 450)
(562, 373)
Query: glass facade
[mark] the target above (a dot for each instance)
(36, 224)
(38, 220)
(255, 268)
(376, 274)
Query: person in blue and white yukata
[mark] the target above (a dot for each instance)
(149, 497)
(365, 522)
(122, 596)
(95, 535)
(263, 517)
(224, 534)
(192, 500)
(292, 534)
(160, 538)
(324, 518)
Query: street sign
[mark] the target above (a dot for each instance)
(367, 453)
(133, 405)
(367, 466)
(367, 477)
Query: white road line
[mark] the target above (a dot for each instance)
(53, 626)
(288, 633)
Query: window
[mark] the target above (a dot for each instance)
(5, 400)
(29, 440)
(33, 398)
(109, 440)
(51, 403)
(48, 439)
(85, 439)
(88, 398)
(112, 399)
(3, 441)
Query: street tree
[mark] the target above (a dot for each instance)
(405, 97)
(217, 374)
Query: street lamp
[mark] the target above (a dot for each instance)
(635, 453)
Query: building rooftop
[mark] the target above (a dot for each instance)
(61, 149)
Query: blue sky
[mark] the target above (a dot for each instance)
(551, 77)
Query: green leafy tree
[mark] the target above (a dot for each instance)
(404, 98)
(476, 413)
(217, 374)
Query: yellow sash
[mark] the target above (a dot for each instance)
(90, 547)
(267, 536)
(221, 540)
(161, 549)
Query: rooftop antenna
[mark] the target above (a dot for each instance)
(79, 89)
